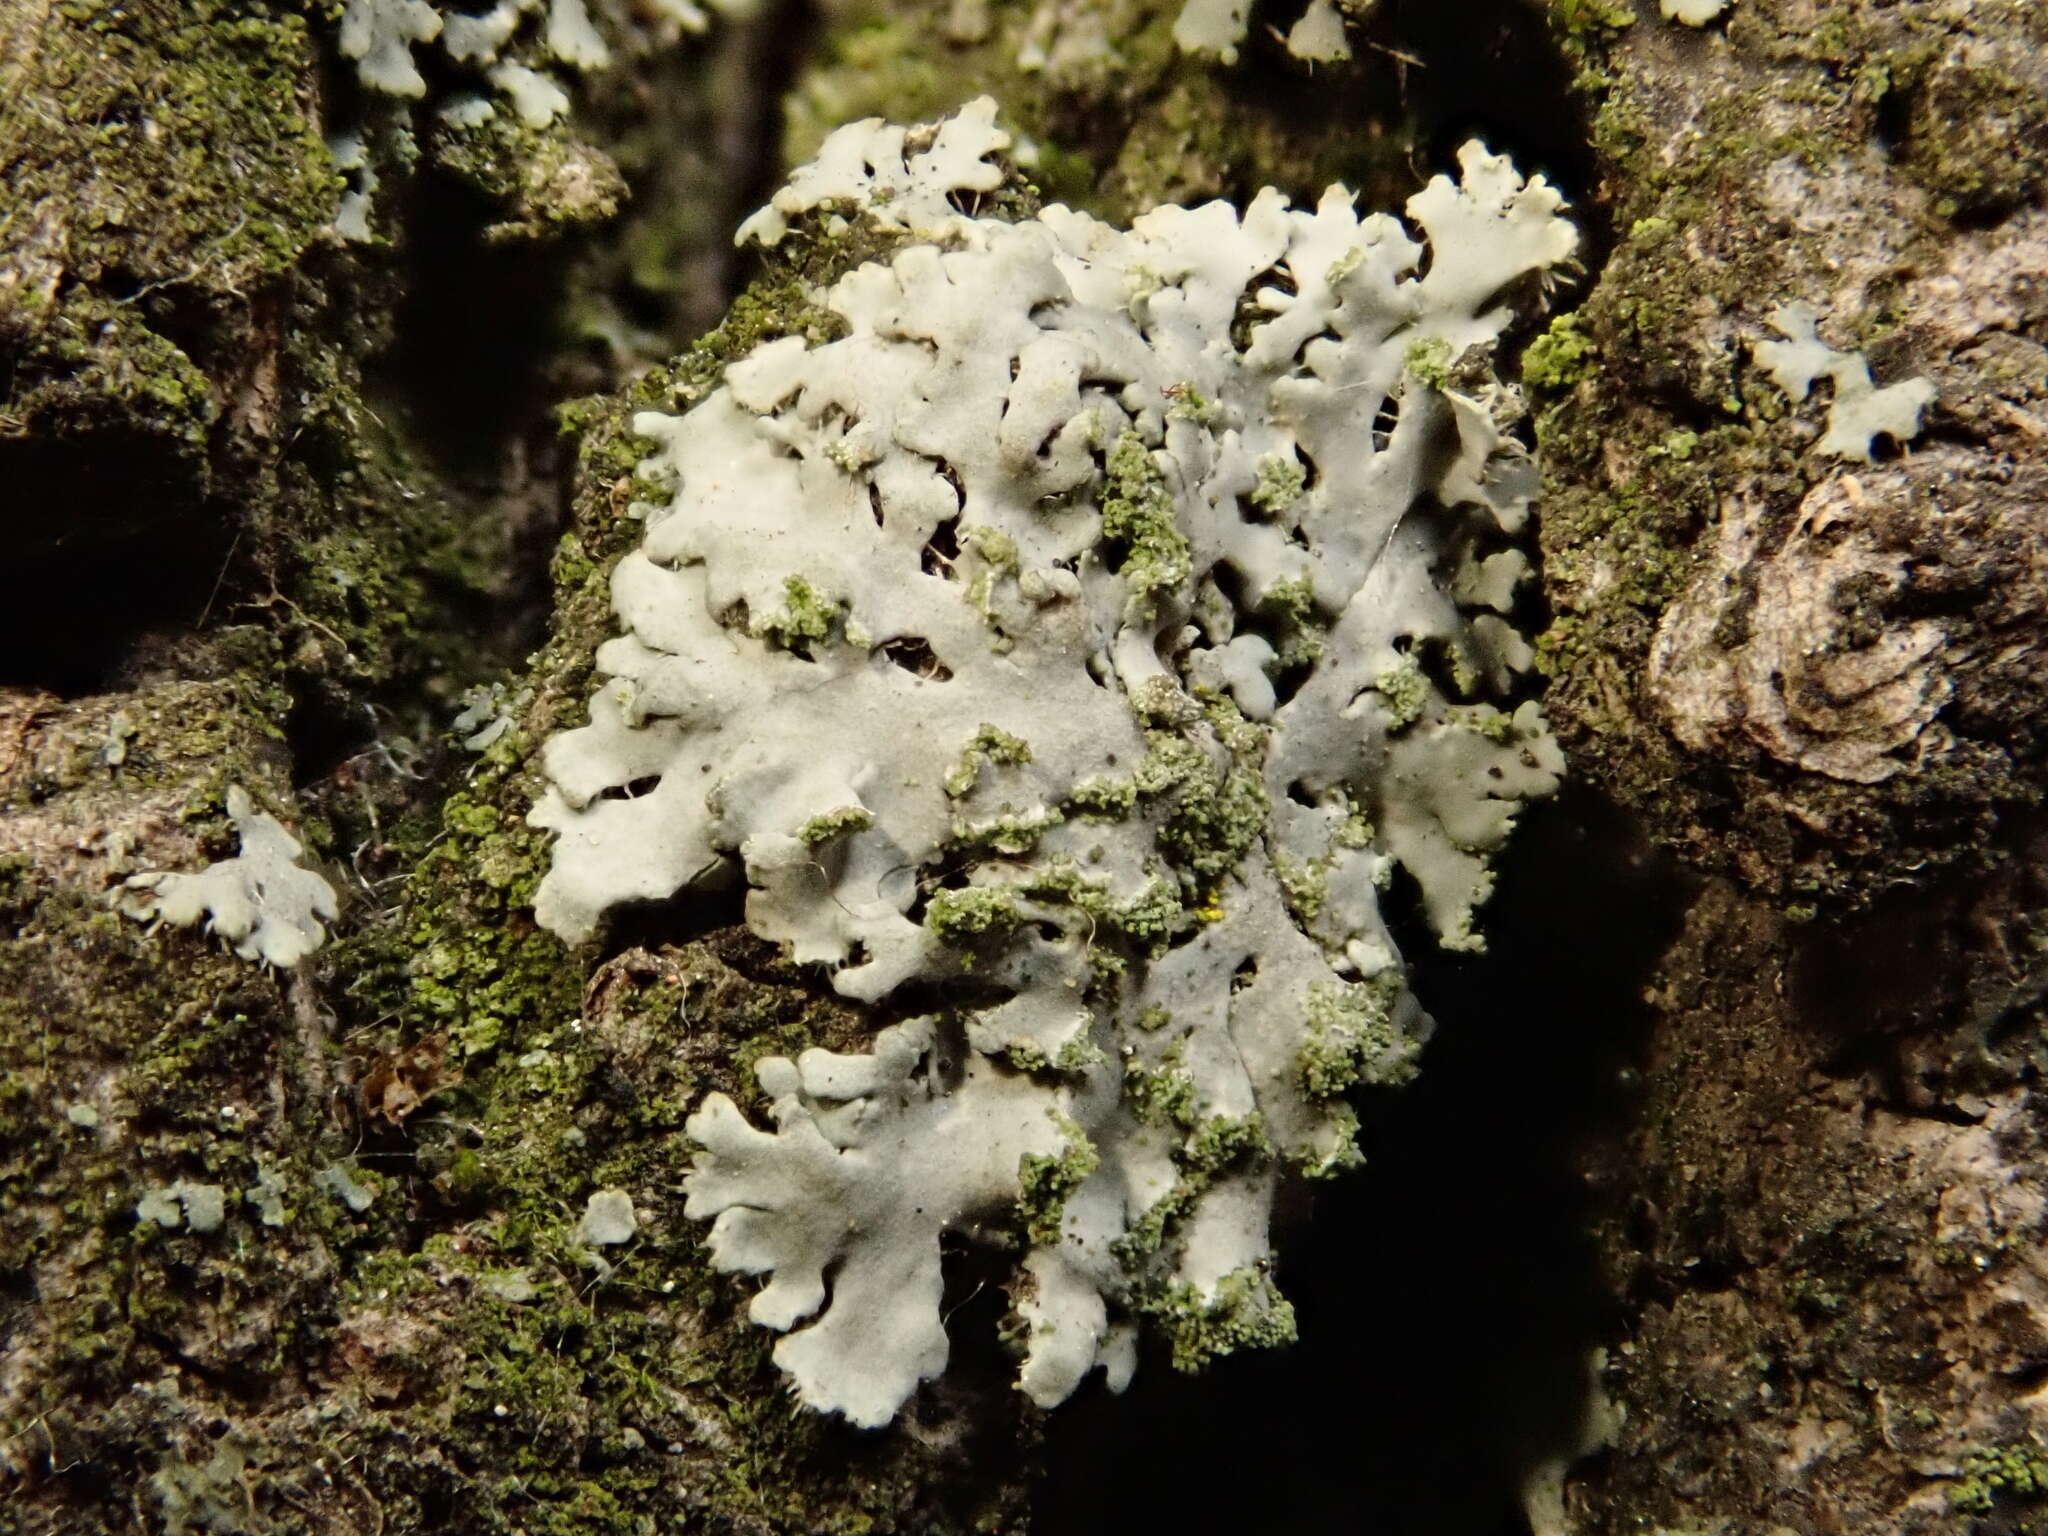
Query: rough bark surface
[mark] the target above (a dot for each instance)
(1822, 682)
(273, 498)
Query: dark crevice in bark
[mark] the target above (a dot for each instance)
(69, 622)
(474, 336)
(692, 911)
(1490, 69)
(780, 49)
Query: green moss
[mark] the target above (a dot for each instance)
(1976, 134)
(1357, 829)
(806, 618)
(222, 76)
(1010, 835)
(1582, 17)
(1244, 1312)
(1351, 1038)
(148, 1082)
(1076, 1054)
(467, 959)
(1163, 1095)
(1212, 813)
(589, 421)
(1305, 886)
(963, 916)
(992, 544)
(163, 166)
(1224, 1141)
(1103, 799)
(566, 1363)
(1280, 482)
(540, 182)
(1211, 1148)
(1291, 606)
(1406, 692)
(1807, 1295)
(1148, 921)
(988, 744)
(1336, 1151)
(1186, 403)
(1429, 360)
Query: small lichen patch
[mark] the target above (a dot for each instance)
(608, 1220)
(1138, 521)
(838, 822)
(201, 1207)
(338, 1181)
(1694, 13)
(262, 901)
(1860, 411)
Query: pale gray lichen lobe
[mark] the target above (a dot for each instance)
(262, 901)
(1106, 540)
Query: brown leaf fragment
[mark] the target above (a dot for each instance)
(400, 1081)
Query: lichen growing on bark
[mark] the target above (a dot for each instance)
(185, 422)
(1680, 485)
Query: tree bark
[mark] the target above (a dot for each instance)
(1819, 682)
(275, 497)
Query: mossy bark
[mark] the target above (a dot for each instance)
(1820, 683)
(273, 497)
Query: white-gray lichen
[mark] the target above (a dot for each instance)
(1217, 27)
(200, 1207)
(516, 54)
(1860, 412)
(488, 712)
(905, 180)
(337, 1180)
(351, 156)
(267, 1196)
(534, 37)
(607, 1220)
(1084, 638)
(262, 901)
(1693, 13)
(380, 36)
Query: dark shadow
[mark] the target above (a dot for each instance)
(1490, 70)
(71, 615)
(1447, 1296)
(1953, 957)
(475, 332)
(1441, 74)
